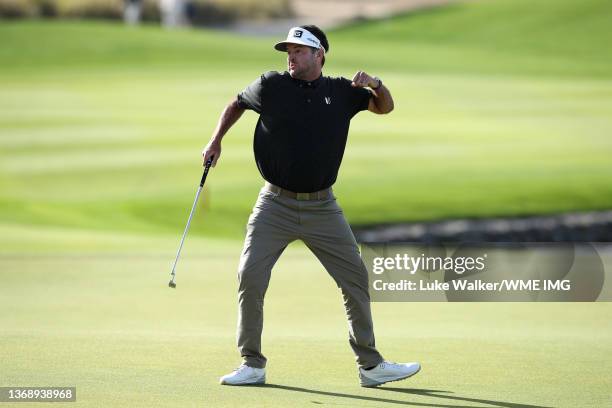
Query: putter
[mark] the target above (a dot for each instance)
(172, 282)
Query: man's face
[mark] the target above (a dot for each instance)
(302, 61)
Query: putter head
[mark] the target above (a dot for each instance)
(172, 284)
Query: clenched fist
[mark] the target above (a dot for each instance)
(362, 79)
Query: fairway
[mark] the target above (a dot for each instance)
(502, 108)
(108, 122)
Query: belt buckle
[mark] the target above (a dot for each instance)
(302, 196)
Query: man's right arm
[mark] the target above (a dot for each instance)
(232, 112)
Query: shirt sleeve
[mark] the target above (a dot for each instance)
(359, 98)
(250, 97)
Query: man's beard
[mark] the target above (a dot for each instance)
(300, 73)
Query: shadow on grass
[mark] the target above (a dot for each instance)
(413, 391)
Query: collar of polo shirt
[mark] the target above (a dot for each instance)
(301, 36)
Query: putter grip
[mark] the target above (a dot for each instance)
(206, 168)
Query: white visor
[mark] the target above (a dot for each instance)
(299, 35)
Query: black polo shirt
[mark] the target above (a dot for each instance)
(302, 128)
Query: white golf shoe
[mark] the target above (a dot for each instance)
(386, 372)
(244, 375)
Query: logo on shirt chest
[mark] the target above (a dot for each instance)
(328, 100)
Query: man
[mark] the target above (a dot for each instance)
(299, 143)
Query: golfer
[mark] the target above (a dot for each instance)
(299, 143)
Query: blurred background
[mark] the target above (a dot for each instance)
(503, 111)
(503, 108)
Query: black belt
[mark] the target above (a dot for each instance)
(317, 195)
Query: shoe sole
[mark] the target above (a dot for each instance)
(260, 381)
(376, 384)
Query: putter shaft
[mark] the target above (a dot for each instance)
(172, 282)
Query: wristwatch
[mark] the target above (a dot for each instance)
(377, 87)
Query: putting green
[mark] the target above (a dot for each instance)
(502, 108)
(109, 325)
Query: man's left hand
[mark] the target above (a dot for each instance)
(362, 80)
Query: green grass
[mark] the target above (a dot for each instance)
(502, 108)
(559, 37)
(108, 325)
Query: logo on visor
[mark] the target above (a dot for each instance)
(297, 33)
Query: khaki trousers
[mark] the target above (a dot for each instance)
(276, 221)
